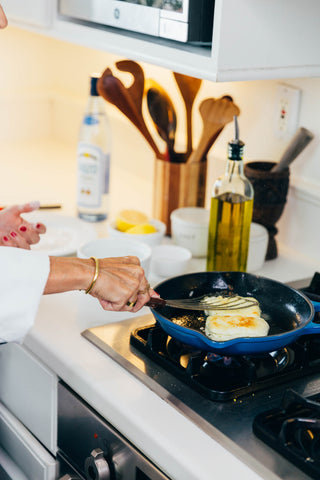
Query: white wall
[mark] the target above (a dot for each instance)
(44, 86)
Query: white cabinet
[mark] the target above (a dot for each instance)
(28, 389)
(22, 457)
(252, 39)
(33, 12)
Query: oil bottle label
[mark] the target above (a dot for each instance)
(93, 175)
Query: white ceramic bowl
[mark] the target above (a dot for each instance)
(169, 260)
(117, 247)
(189, 229)
(151, 239)
(258, 244)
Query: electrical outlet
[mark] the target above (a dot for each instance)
(287, 109)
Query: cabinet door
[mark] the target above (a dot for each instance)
(29, 390)
(21, 455)
(34, 12)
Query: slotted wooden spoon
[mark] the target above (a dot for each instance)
(215, 115)
(189, 87)
(113, 91)
(136, 89)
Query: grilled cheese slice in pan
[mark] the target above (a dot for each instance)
(226, 327)
(226, 324)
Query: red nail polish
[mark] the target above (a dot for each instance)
(38, 225)
(13, 234)
(6, 239)
(23, 228)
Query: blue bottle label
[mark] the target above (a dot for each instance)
(90, 120)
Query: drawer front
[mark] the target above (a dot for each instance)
(29, 390)
(21, 455)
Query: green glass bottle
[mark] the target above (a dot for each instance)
(230, 213)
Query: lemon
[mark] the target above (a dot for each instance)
(130, 218)
(142, 229)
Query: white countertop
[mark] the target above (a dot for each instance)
(164, 435)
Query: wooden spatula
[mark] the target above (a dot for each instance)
(189, 87)
(215, 115)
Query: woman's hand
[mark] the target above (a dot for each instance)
(15, 231)
(128, 287)
(121, 284)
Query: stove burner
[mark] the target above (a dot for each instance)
(223, 378)
(293, 430)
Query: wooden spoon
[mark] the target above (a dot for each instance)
(215, 115)
(189, 87)
(113, 91)
(164, 117)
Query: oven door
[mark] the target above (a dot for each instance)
(90, 448)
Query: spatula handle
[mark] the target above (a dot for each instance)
(156, 302)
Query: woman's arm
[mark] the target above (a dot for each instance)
(120, 280)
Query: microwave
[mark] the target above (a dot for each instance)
(188, 21)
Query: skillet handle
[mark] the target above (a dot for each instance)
(316, 306)
(312, 327)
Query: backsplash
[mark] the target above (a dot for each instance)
(44, 87)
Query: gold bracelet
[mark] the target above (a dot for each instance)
(96, 273)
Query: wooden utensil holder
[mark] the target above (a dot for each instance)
(178, 185)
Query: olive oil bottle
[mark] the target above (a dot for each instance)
(230, 213)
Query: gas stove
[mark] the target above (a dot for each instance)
(223, 378)
(221, 395)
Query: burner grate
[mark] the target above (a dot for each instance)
(227, 378)
(293, 430)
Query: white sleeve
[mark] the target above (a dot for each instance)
(23, 276)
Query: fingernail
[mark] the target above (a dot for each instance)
(13, 234)
(6, 239)
(23, 229)
(38, 225)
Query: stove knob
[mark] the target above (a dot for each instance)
(96, 466)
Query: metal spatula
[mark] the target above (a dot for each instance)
(205, 302)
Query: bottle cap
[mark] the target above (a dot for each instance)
(235, 146)
(93, 86)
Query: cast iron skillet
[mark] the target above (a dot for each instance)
(289, 312)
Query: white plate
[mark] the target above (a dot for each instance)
(64, 234)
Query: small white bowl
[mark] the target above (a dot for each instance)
(189, 229)
(169, 260)
(151, 239)
(117, 247)
(258, 244)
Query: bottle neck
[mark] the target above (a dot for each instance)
(95, 104)
(234, 167)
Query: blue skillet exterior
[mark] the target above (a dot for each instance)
(288, 312)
